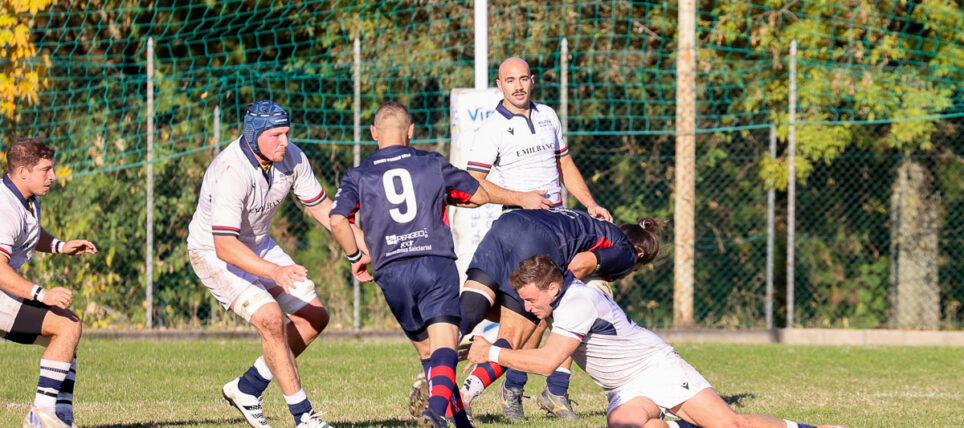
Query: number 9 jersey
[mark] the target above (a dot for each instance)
(401, 193)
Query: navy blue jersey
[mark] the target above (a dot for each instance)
(560, 233)
(400, 192)
(577, 231)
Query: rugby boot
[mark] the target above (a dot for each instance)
(558, 405)
(510, 399)
(312, 420)
(429, 419)
(418, 396)
(248, 405)
(42, 418)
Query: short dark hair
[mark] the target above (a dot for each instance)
(392, 109)
(536, 270)
(27, 153)
(644, 235)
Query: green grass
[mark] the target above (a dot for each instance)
(366, 383)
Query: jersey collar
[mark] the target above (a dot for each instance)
(509, 115)
(567, 280)
(23, 201)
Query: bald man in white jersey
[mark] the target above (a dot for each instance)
(642, 375)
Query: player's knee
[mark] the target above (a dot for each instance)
(269, 321)
(311, 317)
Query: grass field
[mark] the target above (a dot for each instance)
(362, 383)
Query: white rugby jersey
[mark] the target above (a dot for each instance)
(238, 198)
(613, 348)
(524, 151)
(19, 227)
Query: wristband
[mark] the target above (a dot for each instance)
(494, 354)
(56, 246)
(354, 258)
(37, 293)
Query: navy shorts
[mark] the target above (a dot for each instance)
(421, 291)
(511, 240)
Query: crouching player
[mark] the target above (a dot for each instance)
(31, 313)
(642, 375)
(401, 194)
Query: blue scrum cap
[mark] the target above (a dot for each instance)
(262, 116)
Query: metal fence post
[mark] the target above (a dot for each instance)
(791, 180)
(149, 239)
(564, 99)
(771, 201)
(217, 129)
(481, 44)
(356, 153)
(684, 211)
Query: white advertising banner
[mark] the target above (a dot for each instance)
(469, 108)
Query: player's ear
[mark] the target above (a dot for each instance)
(411, 130)
(374, 132)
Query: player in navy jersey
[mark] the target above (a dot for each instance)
(401, 193)
(643, 376)
(574, 240)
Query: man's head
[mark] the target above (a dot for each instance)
(538, 281)
(393, 125)
(30, 164)
(644, 235)
(266, 127)
(515, 82)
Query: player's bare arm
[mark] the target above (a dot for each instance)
(13, 283)
(533, 199)
(47, 243)
(544, 360)
(481, 197)
(234, 252)
(343, 232)
(572, 179)
(583, 264)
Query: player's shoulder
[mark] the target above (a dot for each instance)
(545, 110)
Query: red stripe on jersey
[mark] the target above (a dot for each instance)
(458, 195)
(226, 228)
(601, 243)
(351, 215)
(320, 195)
(9, 255)
(483, 165)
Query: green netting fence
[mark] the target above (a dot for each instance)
(879, 120)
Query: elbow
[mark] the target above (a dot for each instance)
(546, 369)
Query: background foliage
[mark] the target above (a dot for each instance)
(879, 85)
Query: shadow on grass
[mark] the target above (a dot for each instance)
(193, 422)
(737, 399)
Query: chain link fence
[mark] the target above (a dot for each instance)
(880, 117)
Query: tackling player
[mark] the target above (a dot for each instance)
(524, 144)
(401, 193)
(574, 239)
(642, 375)
(246, 270)
(31, 313)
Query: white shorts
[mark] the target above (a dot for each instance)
(228, 282)
(669, 381)
(9, 308)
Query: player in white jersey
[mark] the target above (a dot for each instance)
(246, 271)
(32, 313)
(523, 141)
(643, 376)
